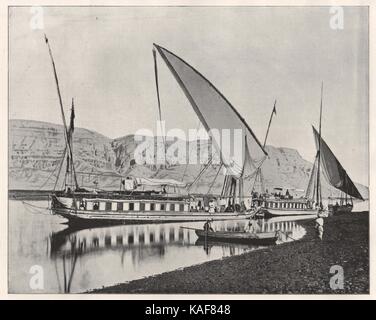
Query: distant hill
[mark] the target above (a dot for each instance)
(36, 149)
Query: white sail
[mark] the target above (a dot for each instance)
(217, 114)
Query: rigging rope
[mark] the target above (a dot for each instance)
(35, 209)
(42, 186)
(200, 173)
(215, 178)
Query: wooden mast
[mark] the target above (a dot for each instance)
(259, 172)
(318, 186)
(66, 135)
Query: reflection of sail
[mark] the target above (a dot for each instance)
(215, 112)
(334, 171)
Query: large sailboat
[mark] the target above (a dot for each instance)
(337, 177)
(277, 204)
(132, 205)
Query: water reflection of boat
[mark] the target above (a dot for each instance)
(118, 238)
(150, 236)
(232, 248)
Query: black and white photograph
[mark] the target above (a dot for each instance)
(188, 150)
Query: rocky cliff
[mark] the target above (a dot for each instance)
(36, 150)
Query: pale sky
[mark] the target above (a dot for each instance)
(252, 55)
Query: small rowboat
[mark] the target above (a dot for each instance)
(262, 238)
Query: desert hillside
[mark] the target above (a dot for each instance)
(36, 149)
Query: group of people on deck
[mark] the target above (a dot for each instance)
(273, 195)
(215, 205)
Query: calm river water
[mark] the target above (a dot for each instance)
(92, 258)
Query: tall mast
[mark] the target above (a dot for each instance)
(270, 121)
(159, 103)
(259, 172)
(318, 185)
(66, 135)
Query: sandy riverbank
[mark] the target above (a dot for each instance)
(297, 267)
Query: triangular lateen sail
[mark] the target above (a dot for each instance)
(216, 113)
(334, 171)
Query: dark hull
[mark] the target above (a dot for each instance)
(238, 237)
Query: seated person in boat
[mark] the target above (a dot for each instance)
(207, 226)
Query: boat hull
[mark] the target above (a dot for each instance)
(280, 212)
(266, 238)
(105, 217)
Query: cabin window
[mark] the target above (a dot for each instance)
(181, 207)
(119, 206)
(142, 206)
(163, 207)
(131, 206)
(130, 239)
(108, 206)
(89, 205)
(152, 206)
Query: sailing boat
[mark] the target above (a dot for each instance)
(337, 177)
(128, 206)
(278, 205)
